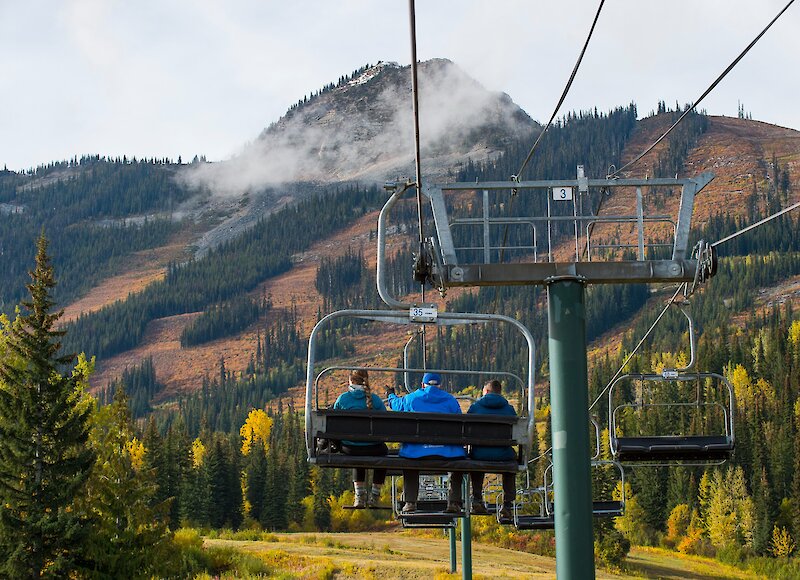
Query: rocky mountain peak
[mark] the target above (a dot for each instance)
(362, 129)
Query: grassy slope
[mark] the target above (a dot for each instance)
(410, 555)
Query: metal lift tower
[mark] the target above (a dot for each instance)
(630, 247)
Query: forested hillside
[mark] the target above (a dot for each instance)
(218, 460)
(746, 507)
(94, 210)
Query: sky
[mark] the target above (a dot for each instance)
(169, 78)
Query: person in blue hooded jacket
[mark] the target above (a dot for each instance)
(493, 403)
(359, 396)
(429, 398)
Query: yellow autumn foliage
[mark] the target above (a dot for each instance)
(256, 428)
(198, 453)
(136, 451)
(782, 542)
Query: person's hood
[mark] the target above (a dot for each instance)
(357, 393)
(492, 401)
(436, 395)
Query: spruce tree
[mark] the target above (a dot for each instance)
(129, 536)
(44, 459)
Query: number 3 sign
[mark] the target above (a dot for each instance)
(562, 193)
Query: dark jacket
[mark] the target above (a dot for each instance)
(492, 404)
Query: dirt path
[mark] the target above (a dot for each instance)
(412, 555)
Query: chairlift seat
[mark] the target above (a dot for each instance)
(672, 448)
(534, 522)
(405, 427)
(423, 520)
(609, 509)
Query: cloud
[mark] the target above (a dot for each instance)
(363, 130)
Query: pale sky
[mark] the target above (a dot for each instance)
(184, 77)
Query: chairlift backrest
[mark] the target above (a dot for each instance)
(660, 448)
(414, 427)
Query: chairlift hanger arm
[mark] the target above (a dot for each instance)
(701, 180)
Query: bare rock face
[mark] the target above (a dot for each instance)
(362, 129)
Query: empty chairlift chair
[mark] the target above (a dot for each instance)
(698, 407)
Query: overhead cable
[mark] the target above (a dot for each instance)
(415, 106)
(563, 94)
(550, 122)
(639, 345)
(703, 96)
(755, 225)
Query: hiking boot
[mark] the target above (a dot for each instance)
(454, 507)
(478, 509)
(409, 508)
(360, 500)
(373, 499)
(506, 513)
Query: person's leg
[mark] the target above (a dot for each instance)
(477, 507)
(477, 485)
(509, 495)
(360, 487)
(509, 488)
(410, 489)
(454, 494)
(378, 477)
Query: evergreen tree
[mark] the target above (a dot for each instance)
(44, 459)
(129, 538)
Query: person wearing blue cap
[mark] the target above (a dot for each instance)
(429, 398)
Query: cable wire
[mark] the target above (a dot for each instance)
(563, 94)
(415, 105)
(628, 358)
(703, 96)
(639, 345)
(755, 225)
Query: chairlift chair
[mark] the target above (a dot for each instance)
(403, 427)
(660, 449)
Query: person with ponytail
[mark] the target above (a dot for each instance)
(359, 396)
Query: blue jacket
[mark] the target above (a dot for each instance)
(492, 404)
(356, 399)
(428, 399)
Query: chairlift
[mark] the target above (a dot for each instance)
(601, 507)
(325, 424)
(665, 449)
(431, 505)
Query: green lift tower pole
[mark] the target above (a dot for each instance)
(569, 415)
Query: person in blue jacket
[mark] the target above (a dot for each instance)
(359, 396)
(493, 403)
(429, 398)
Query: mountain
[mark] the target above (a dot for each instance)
(330, 145)
(361, 129)
(113, 217)
(751, 159)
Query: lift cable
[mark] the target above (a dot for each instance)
(417, 155)
(415, 105)
(681, 287)
(755, 225)
(549, 123)
(563, 94)
(703, 96)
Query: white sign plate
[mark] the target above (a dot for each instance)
(422, 314)
(562, 193)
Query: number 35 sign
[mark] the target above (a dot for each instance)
(562, 193)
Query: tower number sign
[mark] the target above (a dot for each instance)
(562, 193)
